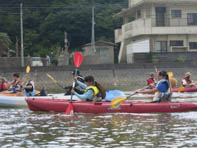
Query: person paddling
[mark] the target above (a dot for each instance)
(151, 82)
(29, 89)
(187, 82)
(161, 90)
(91, 92)
(16, 83)
(79, 78)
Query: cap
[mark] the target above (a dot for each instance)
(187, 74)
(73, 72)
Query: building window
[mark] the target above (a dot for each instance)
(176, 13)
(193, 45)
(139, 13)
(161, 46)
(176, 43)
(192, 18)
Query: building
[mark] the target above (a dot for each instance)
(157, 26)
(104, 53)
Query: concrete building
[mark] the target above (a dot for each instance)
(104, 53)
(157, 26)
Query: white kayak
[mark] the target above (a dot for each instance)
(19, 101)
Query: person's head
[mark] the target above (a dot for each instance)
(89, 80)
(162, 75)
(16, 76)
(151, 74)
(187, 74)
(75, 73)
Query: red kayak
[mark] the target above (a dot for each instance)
(58, 105)
(191, 89)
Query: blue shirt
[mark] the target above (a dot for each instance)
(162, 87)
(89, 95)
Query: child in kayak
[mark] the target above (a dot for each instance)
(187, 82)
(161, 90)
(91, 91)
(151, 82)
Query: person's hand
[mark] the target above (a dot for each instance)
(137, 91)
(72, 91)
(75, 78)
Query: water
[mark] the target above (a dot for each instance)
(23, 128)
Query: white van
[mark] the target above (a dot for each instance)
(36, 61)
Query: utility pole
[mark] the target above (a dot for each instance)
(93, 32)
(21, 23)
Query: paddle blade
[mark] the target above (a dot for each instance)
(27, 69)
(78, 58)
(117, 102)
(69, 110)
(51, 78)
(170, 75)
(180, 89)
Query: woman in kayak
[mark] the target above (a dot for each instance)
(161, 89)
(187, 82)
(151, 82)
(4, 84)
(91, 92)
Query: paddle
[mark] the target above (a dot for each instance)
(25, 76)
(116, 102)
(78, 58)
(54, 81)
(170, 75)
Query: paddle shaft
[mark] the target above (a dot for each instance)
(73, 86)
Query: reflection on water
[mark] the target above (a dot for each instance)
(22, 128)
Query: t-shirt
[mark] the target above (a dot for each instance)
(163, 87)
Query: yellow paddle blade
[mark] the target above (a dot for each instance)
(51, 78)
(116, 102)
(180, 89)
(170, 75)
(28, 69)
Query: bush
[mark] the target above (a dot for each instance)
(180, 60)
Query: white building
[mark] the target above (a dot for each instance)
(157, 26)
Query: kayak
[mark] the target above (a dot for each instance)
(19, 101)
(7, 93)
(60, 105)
(191, 89)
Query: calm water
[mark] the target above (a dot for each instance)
(23, 128)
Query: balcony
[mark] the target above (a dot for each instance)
(149, 26)
(135, 2)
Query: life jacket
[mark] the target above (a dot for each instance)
(16, 82)
(164, 81)
(187, 80)
(94, 88)
(1, 87)
(29, 92)
(150, 81)
(5, 86)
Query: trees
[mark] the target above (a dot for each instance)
(5, 43)
(45, 22)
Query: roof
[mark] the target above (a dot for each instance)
(100, 42)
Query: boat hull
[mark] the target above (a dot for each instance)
(36, 104)
(191, 89)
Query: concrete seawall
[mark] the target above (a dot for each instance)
(124, 77)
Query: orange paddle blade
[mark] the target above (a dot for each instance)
(27, 69)
(69, 110)
(180, 89)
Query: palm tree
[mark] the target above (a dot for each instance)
(5, 43)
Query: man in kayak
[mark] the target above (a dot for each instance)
(28, 90)
(91, 92)
(79, 78)
(151, 82)
(16, 83)
(187, 82)
(161, 90)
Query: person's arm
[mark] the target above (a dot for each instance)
(149, 91)
(88, 95)
(82, 85)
